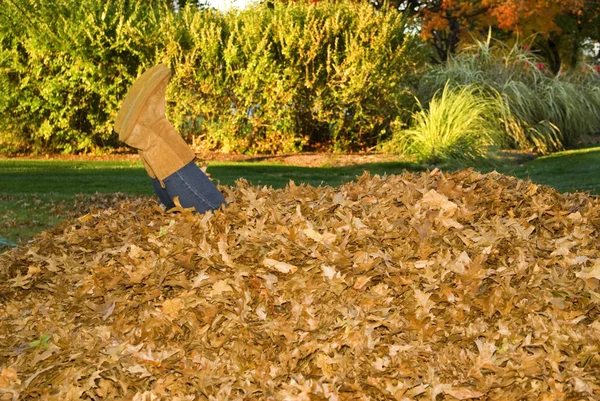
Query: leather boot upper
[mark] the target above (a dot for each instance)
(142, 124)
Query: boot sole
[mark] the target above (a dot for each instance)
(136, 98)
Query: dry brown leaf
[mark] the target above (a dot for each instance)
(281, 267)
(593, 272)
(462, 393)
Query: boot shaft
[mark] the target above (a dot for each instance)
(161, 147)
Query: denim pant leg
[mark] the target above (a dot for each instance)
(194, 189)
(162, 194)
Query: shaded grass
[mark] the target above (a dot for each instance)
(39, 194)
(67, 178)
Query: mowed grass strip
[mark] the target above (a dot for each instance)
(37, 194)
(567, 171)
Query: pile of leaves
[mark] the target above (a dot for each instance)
(418, 286)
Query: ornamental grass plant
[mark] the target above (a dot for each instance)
(454, 129)
(539, 112)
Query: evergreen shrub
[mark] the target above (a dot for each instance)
(278, 78)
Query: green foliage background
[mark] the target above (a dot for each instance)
(276, 78)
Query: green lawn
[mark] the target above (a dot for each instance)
(66, 178)
(568, 171)
(38, 194)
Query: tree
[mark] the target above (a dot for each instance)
(444, 23)
(563, 47)
(561, 26)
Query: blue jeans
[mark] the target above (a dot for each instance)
(193, 188)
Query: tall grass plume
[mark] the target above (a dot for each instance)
(540, 112)
(454, 129)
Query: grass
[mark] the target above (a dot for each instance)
(567, 171)
(39, 194)
(454, 129)
(67, 178)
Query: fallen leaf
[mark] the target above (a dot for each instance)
(463, 393)
(281, 267)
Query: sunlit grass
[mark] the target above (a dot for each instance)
(568, 171)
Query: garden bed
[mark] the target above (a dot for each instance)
(417, 286)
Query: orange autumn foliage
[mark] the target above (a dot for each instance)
(446, 22)
(520, 16)
(532, 16)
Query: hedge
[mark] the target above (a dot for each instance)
(266, 79)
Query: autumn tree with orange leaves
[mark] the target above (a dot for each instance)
(560, 26)
(446, 23)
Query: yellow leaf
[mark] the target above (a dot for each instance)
(463, 393)
(281, 267)
(171, 307)
(85, 218)
(435, 200)
(220, 287)
(8, 376)
(361, 281)
(593, 272)
(312, 234)
(329, 272)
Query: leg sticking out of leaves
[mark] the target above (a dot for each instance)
(142, 124)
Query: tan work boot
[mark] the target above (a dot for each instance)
(142, 124)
